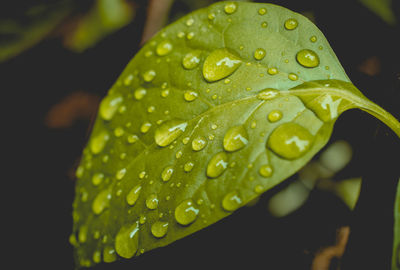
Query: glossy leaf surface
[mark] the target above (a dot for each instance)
(216, 109)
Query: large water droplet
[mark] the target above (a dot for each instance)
(190, 95)
(199, 143)
(191, 60)
(230, 7)
(109, 106)
(167, 173)
(307, 58)
(101, 202)
(164, 48)
(217, 165)
(275, 116)
(185, 212)
(139, 93)
(149, 75)
(290, 141)
(159, 228)
(268, 94)
(127, 240)
(152, 201)
(188, 166)
(291, 24)
(98, 142)
(266, 170)
(235, 138)
(133, 195)
(259, 54)
(169, 132)
(231, 201)
(219, 64)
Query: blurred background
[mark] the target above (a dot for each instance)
(58, 58)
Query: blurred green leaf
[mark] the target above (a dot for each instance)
(216, 109)
(396, 231)
(382, 8)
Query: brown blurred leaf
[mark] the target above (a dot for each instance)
(371, 66)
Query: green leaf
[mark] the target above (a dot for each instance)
(216, 109)
(396, 231)
(382, 8)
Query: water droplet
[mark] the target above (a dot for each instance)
(82, 234)
(290, 141)
(165, 93)
(185, 140)
(199, 143)
(128, 80)
(291, 24)
(231, 201)
(142, 219)
(109, 106)
(190, 35)
(262, 11)
(159, 228)
(118, 132)
(139, 93)
(217, 165)
(169, 132)
(149, 75)
(190, 95)
(145, 127)
(219, 64)
(97, 179)
(151, 109)
(293, 77)
(275, 116)
(307, 58)
(230, 7)
(191, 60)
(127, 240)
(120, 174)
(214, 126)
(190, 22)
(268, 94)
(264, 24)
(132, 138)
(101, 202)
(79, 171)
(179, 154)
(97, 256)
(272, 71)
(133, 195)
(164, 48)
(185, 212)
(148, 53)
(313, 39)
(142, 174)
(188, 166)
(253, 124)
(152, 201)
(259, 54)
(211, 16)
(235, 138)
(109, 254)
(266, 170)
(167, 173)
(180, 34)
(259, 189)
(98, 142)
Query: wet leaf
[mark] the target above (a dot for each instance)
(216, 109)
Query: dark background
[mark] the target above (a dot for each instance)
(38, 187)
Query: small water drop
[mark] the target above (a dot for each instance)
(97, 179)
(253, 124)
(142, 219)
(291, 24)
(167, 173)
(275, 116)
(217, 165)
(132, 138)
(98, 142)
(169, 131)
(293, 77)
(219, 64)
(190, 35)
(191, 60)
(235, 138)
(265, 170)
(186, 213)
(109, 106)
(179, 154)
(290, 141)
(190, 22)
(264, 24)
(259, 189)
(139, 93)
(109, 254)
(142, 174)
(230, 7)
(272, 71)
(199, 143)
(188, 166)
(313, 39)
(149, 75)
(101, 202)
(120, 174)
(133, 195)
(159, 228)
(307, 58)
(259, 54)
(82, 234)
(164, 48)
(151, 109)
(152, 201)
(119, 131)
(127, 240)
(190, 95)
(231, 201)
(145, 127)
(262, 11)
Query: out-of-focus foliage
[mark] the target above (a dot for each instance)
(382, 8)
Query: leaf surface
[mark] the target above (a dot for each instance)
(216, 109)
